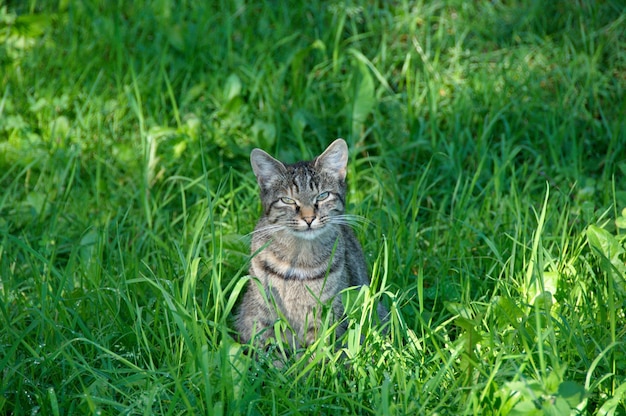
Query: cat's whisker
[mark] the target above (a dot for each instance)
(349, 219)
(353, 217)
(267, 230)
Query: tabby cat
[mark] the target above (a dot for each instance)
(304, 251)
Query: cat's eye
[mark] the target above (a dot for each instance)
(323, 196)
(286, 200)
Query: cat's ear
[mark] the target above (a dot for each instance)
(266, 168)
(334, 159)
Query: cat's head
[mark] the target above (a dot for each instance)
(305, 198)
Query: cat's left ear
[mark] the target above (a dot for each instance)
(266, 169)
(334, 159)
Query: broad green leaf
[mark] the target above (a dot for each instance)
(264, 133)
(556, 407)
(611, 406)
(543, 300)
(31, 25)
(158, 132)
(232, 87)
(60, 127)
(607, 246)
(193, 93)
(239, 363)
(363, 98)
(550, 281)
(508, 313)
(36, 200)
(192, 126)
(175, 37)
(474, 337)
(604, 242)
(460, 309)
(620, 222)
(572, 392)
(525, 408)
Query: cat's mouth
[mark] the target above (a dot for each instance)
(308, 232)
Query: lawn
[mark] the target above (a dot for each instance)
(487, 155)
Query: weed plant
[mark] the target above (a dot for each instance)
(487, 154)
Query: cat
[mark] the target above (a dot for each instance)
(304, 251)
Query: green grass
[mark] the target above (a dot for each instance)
(487, 152)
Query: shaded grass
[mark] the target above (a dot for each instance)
(487, 142)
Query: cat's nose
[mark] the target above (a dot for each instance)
(309, 220)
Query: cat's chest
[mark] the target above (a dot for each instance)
(302, 265)
(297, 271)
(296, 293)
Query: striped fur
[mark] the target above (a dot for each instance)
(304, 251)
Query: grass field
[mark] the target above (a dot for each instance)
(488, 154)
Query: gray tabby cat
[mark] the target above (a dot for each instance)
(304, 252)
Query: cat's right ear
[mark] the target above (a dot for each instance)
(266, 169)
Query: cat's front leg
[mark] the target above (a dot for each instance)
(254, 320)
